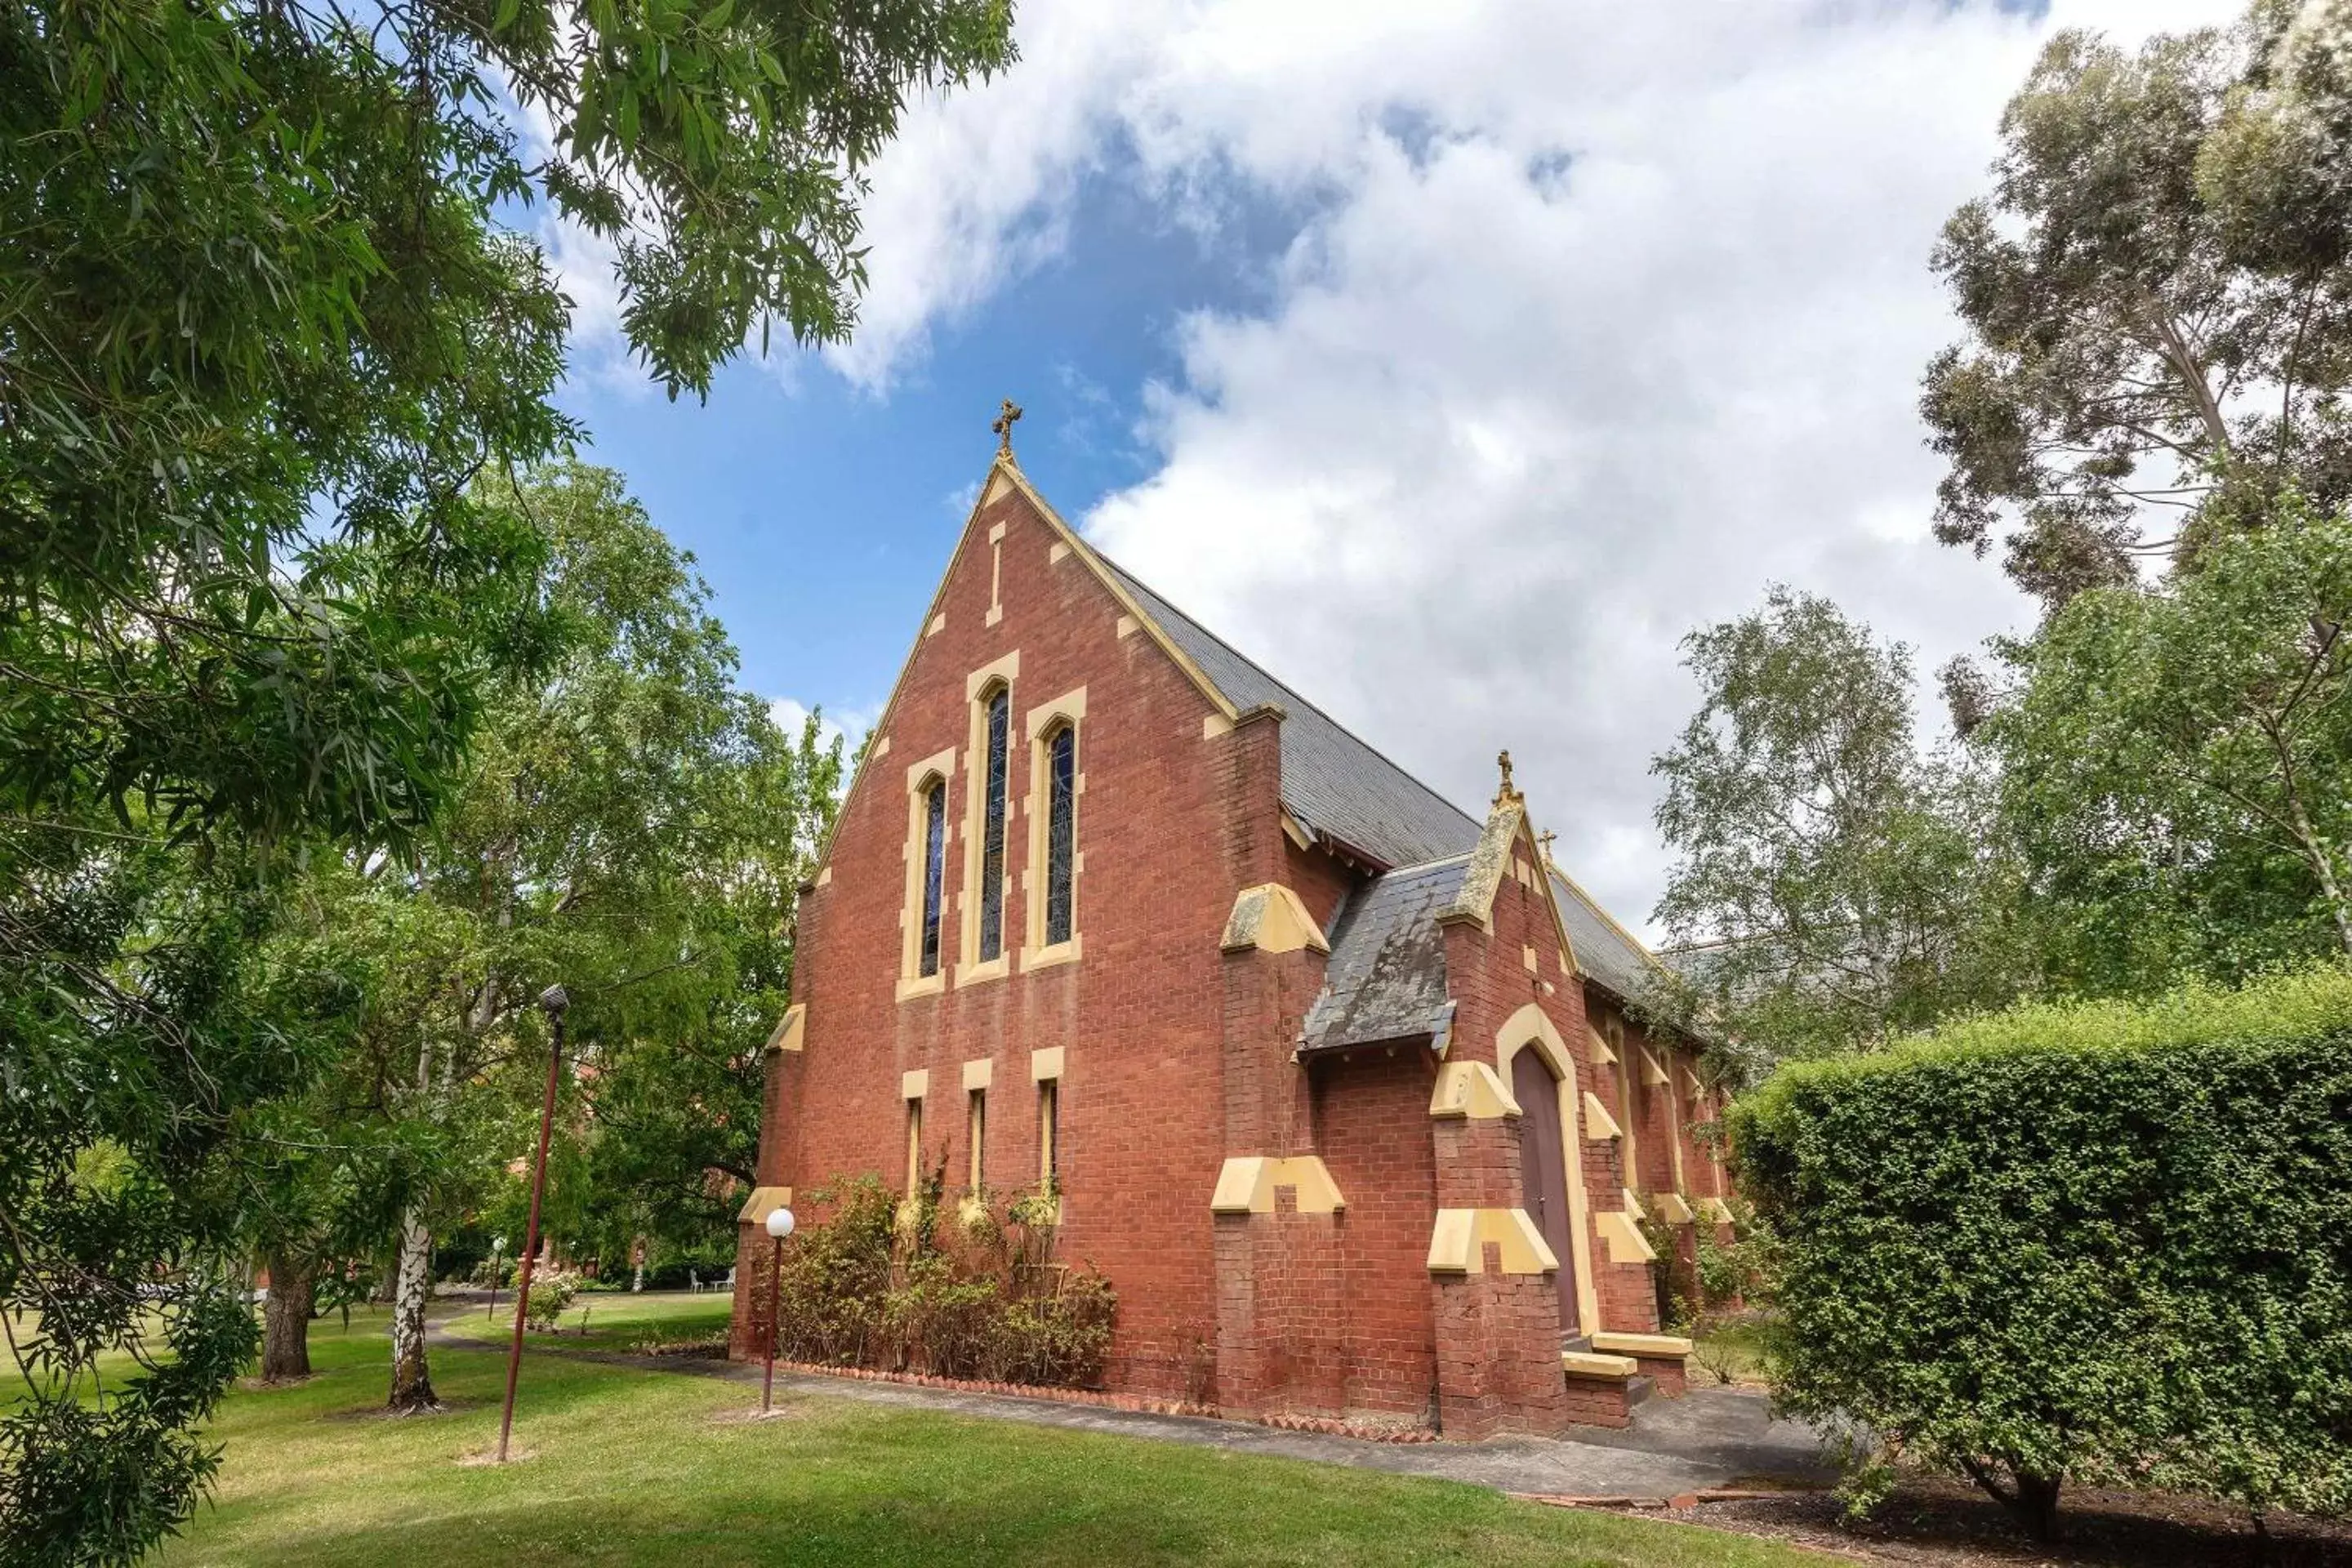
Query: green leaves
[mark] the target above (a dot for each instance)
(1833, 872)
(2176, 763)
(2160, 329)
(2097, 1243)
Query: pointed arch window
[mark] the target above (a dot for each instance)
(1061, 829)
(992, 843)
(935, 852)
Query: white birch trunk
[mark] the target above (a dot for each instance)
(412, 1380)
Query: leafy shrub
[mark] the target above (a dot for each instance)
(553, 1292)
(969, 1290)
(2083, 1242)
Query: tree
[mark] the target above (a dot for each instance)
(1831, 879)
(259, 332)
(612, 807)
(2176, 763)
(672, 1133)
(2160, 324)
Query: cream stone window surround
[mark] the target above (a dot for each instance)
(939, 767)
(979, 691)
(1528, 1029)
(1038, 728)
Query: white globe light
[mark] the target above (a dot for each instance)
(780, 1222)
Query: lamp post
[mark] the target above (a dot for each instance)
(497, 1250)
(551, 1000)
(780, 1225)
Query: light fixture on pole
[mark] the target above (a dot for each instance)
(552, 1002)
(780, 1225)
(498, 1249)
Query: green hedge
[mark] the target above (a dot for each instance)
(2094, 1242)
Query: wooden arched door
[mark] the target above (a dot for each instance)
(1543, 1169)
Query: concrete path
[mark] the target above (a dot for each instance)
(1706, 1438)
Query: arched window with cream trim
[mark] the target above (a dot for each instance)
(1057, 783)
(935, 856)
(998, 740)
(1061, 747)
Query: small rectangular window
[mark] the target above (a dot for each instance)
(978, 1131)
(914, 1146)
(1049, 1132)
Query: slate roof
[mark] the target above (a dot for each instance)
(1331, 781)
(1386, 977)
(1340, 788)
(1605, 951)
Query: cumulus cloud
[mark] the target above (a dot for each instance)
(1600, 318)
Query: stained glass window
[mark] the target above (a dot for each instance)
(992, 842)
(1061, 814)
(935, 851)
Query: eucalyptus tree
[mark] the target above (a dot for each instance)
(2158, 312)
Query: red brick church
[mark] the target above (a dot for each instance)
(1337, 1082)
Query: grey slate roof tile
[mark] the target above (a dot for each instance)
(1386, 977)
(1334, 784)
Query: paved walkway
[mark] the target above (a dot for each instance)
(1708, 1438)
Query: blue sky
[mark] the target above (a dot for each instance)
(821, 512)
(1456, 362)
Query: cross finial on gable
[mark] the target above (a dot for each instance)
(1506, 794)
(1004, 428)
(1544, 842)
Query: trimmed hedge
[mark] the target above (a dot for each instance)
(2092, 1242)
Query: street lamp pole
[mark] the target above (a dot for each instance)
(780, 1225)
(552, 1001)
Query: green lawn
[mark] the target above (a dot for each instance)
(615, 1320)
(631, 1467)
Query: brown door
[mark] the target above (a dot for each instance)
(1543, 1169)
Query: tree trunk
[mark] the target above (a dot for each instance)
(412, 1380)
(2037, 1504)
(285, 1319)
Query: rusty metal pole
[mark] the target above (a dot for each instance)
(553, 1002)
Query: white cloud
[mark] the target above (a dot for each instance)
(1605, 317)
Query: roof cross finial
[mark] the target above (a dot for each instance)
(1004, 428)
(1506, 794)
(1544, 841)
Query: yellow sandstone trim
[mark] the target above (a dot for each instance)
(790, 1028)
(1623, 1234)
(1653, 1075)
(1472, 1089)
(1271, 918)
(1246, 1183)
(976, 1074)
(1715, 1209)
(1457, 1242)
(915, 1083)
(1580, 1364)
(1600, 1127)
(1658, 1347)
(1671, 1208)
(1603, 1057)
(763, 1201)
(1045, 1064)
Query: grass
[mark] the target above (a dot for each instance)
(1736, 1347)
(612, 1321)
(631, 1467)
